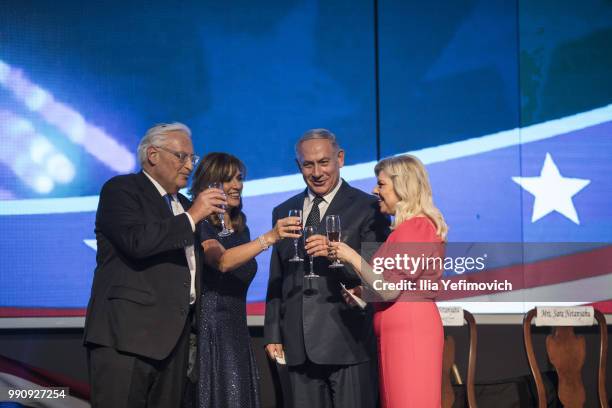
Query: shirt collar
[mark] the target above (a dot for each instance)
(158, 186)
(329, 196)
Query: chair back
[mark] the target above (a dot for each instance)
(449, 368)
(567, 353)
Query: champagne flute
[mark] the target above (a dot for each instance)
(332, 226)
(296, 213)
(309, 231)
(224, 232)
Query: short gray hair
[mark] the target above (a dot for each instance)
(157, 135)
(319, 133)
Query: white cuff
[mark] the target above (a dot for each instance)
(191, 221)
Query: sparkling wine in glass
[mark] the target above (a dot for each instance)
(333, 229)
(309, 231)
(224, 231)
(298, 230)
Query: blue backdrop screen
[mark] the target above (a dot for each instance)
(509, 106)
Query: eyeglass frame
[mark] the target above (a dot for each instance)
(182, 156)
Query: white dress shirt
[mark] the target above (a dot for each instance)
(323, 205)
(177, 209)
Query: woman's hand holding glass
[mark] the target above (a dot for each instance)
(342, 252)
(288, 227)
(334, 234)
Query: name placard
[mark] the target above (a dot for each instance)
(565, 316)
(451, 315)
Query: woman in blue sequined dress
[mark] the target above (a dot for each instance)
(228, 375)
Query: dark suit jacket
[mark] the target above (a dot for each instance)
(318, 324)
(140, 294)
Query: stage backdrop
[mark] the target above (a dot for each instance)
(508, 103)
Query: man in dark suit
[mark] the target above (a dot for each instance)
(144, 288)
(328, 345)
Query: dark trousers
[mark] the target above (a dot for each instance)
(123, 380)
(334, 386)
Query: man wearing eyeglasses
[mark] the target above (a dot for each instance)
(144, 288)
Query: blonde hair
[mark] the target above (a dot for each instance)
(411, 185)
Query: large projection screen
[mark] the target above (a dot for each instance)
(509, 105)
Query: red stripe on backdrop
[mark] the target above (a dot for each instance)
(561, 269)
(253, 309)
(542, 273)
(603, 307)
(40, 312)
(256, 308)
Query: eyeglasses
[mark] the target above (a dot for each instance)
(182, 156)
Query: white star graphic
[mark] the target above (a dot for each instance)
(92, 243)
(552, 191)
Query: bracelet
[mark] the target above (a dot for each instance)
(263, 243)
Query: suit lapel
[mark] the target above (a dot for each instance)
(157, 202)
(341, 200)
(298, 202)
(184, 201)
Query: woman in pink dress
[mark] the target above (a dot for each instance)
(407, 322)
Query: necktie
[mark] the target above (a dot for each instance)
(169, 201)
(314, 218)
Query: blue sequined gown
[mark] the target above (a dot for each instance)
(228, 376)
